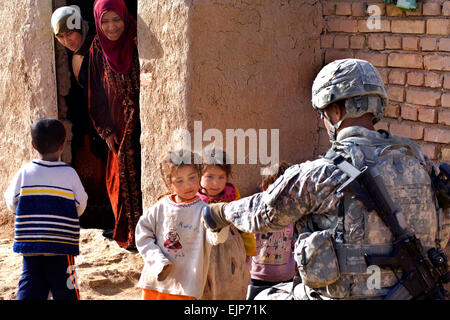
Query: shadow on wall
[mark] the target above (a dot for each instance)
(251, 66)
(148, 56)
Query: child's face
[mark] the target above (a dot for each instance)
(214, 180)
(185, 182)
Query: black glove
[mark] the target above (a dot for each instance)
(214, 217)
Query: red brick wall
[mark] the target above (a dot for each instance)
(411, 49)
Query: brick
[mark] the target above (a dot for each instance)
(397, 77)
(392, 111)
(415, 78)
(357, 42)
(423, 97)
(341, 25)
(412, 131)
(431, 9)
(447, 81)
(433, 80)
(444, 44)
(326, 41)
(445, 100)
(408, 26)
(428, 44)
(377, 59)
(445, 154)
(430, 149)
(436, 62)
(359, 9)
(444, 117)
(428, 115)
(446, 8)
(409, 112)
(438, 26)
(384, 73)
(343, 9)
(415, 13)
(366, 26)
(410, 43)
(392, 42)
(393, 11)
(396, 93)
(334, 54)
(437, 135)
(382, 125)
(328, 8)
(405, 60)
(341, 42)
(376, 42)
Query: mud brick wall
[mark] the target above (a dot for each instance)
(27, 83)
(229, 65)
(411, 49)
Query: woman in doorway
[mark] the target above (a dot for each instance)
(114, 109)
(89, 151)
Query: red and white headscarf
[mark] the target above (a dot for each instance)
(119, 53)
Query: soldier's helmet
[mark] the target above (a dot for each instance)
(355, 81)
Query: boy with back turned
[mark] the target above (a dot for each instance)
(47, 197)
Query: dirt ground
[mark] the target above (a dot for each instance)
(105, 271)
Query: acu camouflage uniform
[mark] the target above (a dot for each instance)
(336, 229)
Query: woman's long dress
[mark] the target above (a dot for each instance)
(114, 107)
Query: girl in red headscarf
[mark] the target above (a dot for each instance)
(114, 109)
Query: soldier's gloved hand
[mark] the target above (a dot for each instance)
(214, 217)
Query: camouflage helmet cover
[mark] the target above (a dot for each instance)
(346, 79)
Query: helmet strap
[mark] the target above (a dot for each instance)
(332, 132)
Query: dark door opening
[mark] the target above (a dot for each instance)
(89, 151)
(87, 8)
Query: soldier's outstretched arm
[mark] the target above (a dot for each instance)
(307, 188)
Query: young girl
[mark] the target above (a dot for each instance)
(228, 274)
(171, 237)
(274, 262)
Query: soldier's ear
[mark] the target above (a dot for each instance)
(334, 112)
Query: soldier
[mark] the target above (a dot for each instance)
(336, 228)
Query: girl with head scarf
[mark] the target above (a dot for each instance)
(114, 108)
(89, 151)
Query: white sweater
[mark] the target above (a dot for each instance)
(47, 199)
(172, 233)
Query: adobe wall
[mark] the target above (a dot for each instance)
(231, 65)
(27, 81)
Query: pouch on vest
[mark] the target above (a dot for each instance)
(316, 259)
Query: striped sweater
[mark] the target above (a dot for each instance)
(47, 199)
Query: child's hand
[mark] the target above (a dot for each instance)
(165, 272)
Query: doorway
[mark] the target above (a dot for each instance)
(89, 152)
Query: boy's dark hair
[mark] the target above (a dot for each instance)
(48, 135)
(275, 172)
(216, 157)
